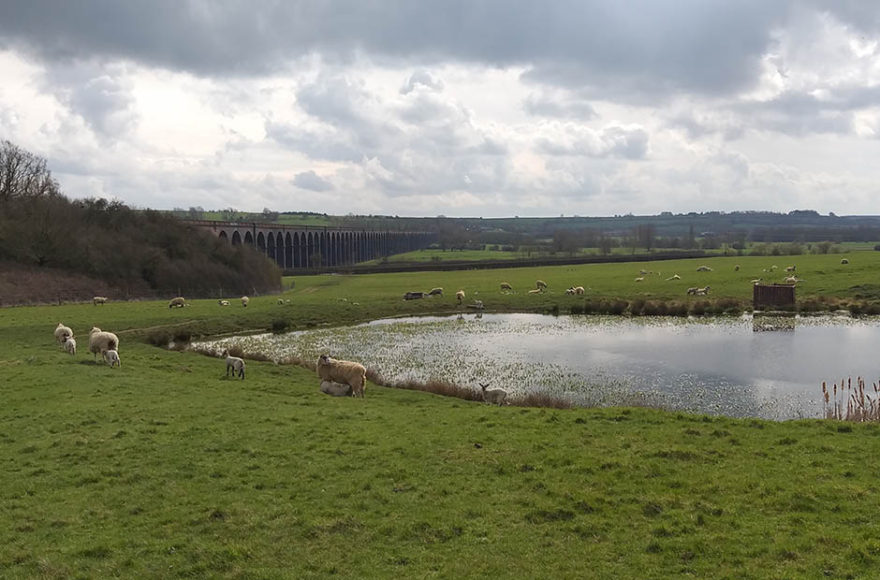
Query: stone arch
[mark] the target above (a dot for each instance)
(236, 238)
(248, 239)
(270, 246)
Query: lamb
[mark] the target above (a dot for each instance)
(692, 290)
(244, 301)
(494, 396)
(99, 300)
(111, 357)
(704, 269)
(640, 279)
(540, 285)
(62, 333)
(413, 295)
(756, 281)
(100, 341)
(844, 261)
(790, 268)
(179, 302)
(233, 362)
(436, 292)
(702, 291)
(222, 302)
(70, 346)
(343, 371)
(579, 290)
(736, 268)
(335, 389)
(792, 280)
(674, 277)
(536, 291)
(459, 296)
(506, 287)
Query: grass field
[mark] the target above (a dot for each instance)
(165, 468)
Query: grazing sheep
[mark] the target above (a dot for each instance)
(99, 300)
(233, 362)
(792, 280)
(178, 302)
(674, 277)
(494, 396)
(692, 290)
(459, 296)
(343, 371)
(223, 302)
(62, 333)
(640, 279)
(702, 291)
(100, 341)
(704, 269)
(335, 389)
(579, 290)
(790, 268)
(70, 345)
(435, 292)
(111, 357)
(244, 301)
(506, 287)
(413, 295)
(540, 285)
(736, 268)
(844, 261)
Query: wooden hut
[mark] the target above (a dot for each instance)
(773, 296)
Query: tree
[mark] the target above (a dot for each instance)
(23, 174)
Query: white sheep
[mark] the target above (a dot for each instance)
(99, 300)
(540, 285)
(233, 362)
(335, 389)
(702, 291)
(506, 287)
(494, 396)
(692, 290)
(579, 290)
(343, 371)
(792, 280)
(459, 296)
(435, 292)
(70, 346)
(62, 333)
(179, 302)
(244, 301)
(536, 291)
(640, 279)
(790, 268)
(222, 302)
(111, 357)
(100, 341)
(844, 261)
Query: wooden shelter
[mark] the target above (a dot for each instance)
(773, 296)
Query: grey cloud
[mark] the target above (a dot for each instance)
(421, 78)
(650, 46)
(546, 106)
(620, 142)
(312, 181)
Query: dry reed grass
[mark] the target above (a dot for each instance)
(848, 403)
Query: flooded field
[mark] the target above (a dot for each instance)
(764, 367)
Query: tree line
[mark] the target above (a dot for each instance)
(107, 240)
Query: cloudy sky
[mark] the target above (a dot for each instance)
(456, 107)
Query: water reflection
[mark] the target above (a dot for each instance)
(735, 367)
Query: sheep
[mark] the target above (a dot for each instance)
(756, 281)
(413, 295)
(704, 269)
(435, 292)
(736, 268)
(244, 301)
(569, 290)
(540, 285)
(674, 277)
(70, 346)
(494, 396)
(579, 290)
(478, 305)
(692, 290)
(506, 287)
(335, 389)
(343, 371)
(792, 280)
(100, 341)
(459, 296)
(99, 300)
(844, 261)
(790, 268)
(536, 291)
(702, 291)
(640, 279)
(62, 333)
(179, 302)
(223, 302)
(111, 357)
(233, 362)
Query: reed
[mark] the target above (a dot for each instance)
(851, 403)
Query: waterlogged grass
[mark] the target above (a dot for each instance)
(164, 468)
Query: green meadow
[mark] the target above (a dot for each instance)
(165, 468)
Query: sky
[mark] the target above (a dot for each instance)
(462, 108)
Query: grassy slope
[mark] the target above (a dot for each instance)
(165, 468)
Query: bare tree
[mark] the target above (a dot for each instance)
(23, 174)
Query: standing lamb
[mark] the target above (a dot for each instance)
(343, 371)
(62, 333)
(100, 341)
(179, 302)
(233, 362)
(459, 296)
(99, 300)
(244, 301)
(111, 357)
(494, 396)
(70, 346)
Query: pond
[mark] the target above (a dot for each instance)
(767, 367)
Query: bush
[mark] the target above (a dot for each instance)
(280, 326)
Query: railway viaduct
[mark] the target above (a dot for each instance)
(311, 247)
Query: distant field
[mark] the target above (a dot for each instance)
(165, 468)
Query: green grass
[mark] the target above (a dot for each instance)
(165, 468)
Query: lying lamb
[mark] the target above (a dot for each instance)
(335, 389)
(494, 396)
(413, 295)
(233, 362)
(342, 371)
(111, 357)
(222, 302)
(436, 292)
